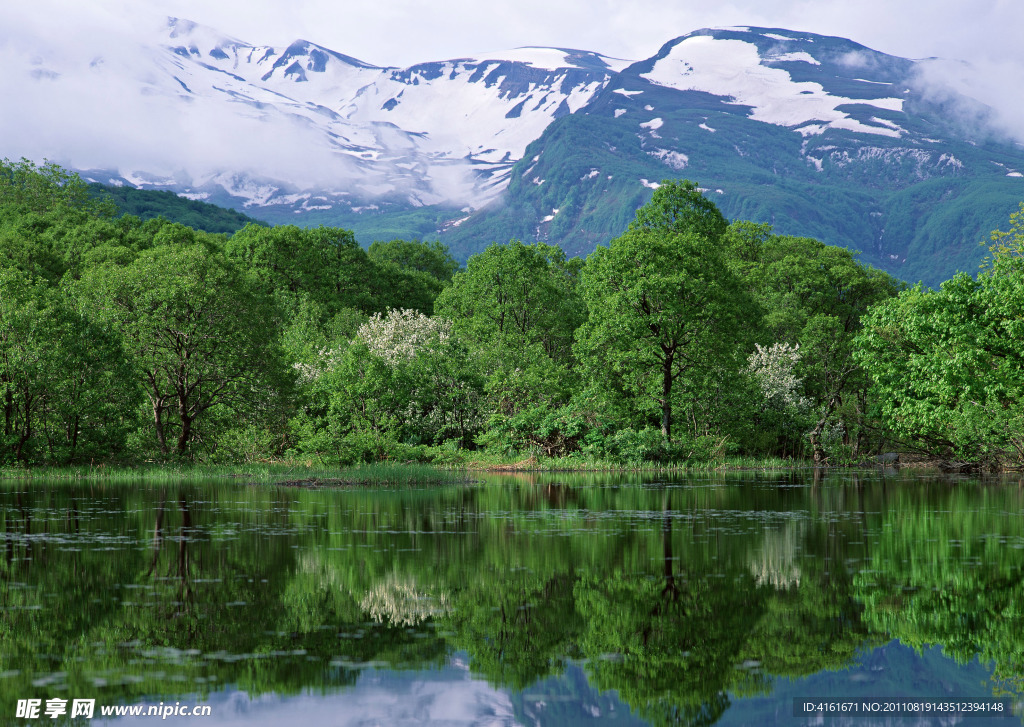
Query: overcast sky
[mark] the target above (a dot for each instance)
(401, 32)
(986, 33)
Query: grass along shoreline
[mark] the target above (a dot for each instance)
(384, 474)
(294, 473)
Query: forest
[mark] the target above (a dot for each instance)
(686, 339)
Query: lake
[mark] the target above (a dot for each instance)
(550, 599)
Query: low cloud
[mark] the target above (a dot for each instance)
(980, 96)
(85, 88)
(95, 93)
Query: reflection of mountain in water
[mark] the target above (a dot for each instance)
(691, 601)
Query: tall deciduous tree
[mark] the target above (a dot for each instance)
(679, 206)
(664, 309)
(64, 388)
(517, 295)
(200, 336)
(517, 306)
(814, 296)
(432, 258)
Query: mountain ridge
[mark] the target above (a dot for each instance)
(819, 135)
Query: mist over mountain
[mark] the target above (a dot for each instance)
(818, 135)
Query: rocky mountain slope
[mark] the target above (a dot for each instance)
(817, 135)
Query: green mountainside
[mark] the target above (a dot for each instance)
(816, 135)
(918, 205)
(148, 204)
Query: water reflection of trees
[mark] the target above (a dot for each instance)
(675, 597)
(956, 582)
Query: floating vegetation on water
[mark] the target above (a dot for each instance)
(295, 475)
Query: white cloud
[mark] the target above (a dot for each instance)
(115, 125)
(402, 32)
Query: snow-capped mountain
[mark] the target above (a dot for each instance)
(445, 132)
(818, 135)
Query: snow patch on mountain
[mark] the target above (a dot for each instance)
(673, 159)
(796, 57)
(734, 69)
(264, 122)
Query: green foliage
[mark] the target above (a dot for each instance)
(431, 258)
(198, 335)
(404, 382)
(667, 321)
(517, 295)
(517, 306)
(24, 187)
(947, 364)
(149, 204)
(326, 265)
(124, 337)
(813, 296)
(680, 207)
(64, 382)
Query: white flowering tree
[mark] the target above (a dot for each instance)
(773, 368)
(783, 413)
(399, 335)
(404, 379)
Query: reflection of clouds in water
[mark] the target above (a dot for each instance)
(775, 563)
(448, 696)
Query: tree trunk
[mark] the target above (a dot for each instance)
(8, 413)
(74, 437)
(26, 432)
(666, 399)
(18, 453)
(186, 430)
(161, 438)
(815, 434)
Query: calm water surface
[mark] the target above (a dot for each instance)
(551, 600)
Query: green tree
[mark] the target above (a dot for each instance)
(680, 207)
(517, 307)
(432, 258)
(813, 296)
(199, 335)
(64, 383)
(30, 188)
(404, 380)
(664, 310)
(517, 295)
(326, 265)
(947, 363)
